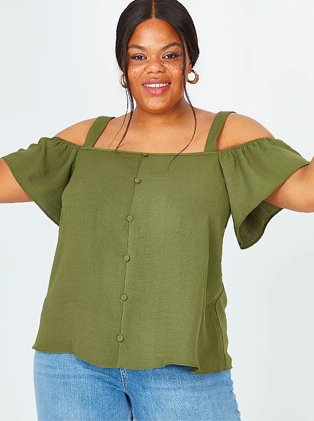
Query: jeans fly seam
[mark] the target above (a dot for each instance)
(124, 383)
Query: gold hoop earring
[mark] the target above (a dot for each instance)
(196, 78)
(123, 82)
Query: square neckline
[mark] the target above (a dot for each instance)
(204, 152)
(158, 154)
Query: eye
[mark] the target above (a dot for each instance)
(137, 55)
(172, 54)
(140, 55)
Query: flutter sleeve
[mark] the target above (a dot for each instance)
(43, 170)
(252, 171)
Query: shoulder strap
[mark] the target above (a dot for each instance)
(215, 129)
(96, 129)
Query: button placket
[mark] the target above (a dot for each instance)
(126, 257)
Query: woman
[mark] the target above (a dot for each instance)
(134, 324)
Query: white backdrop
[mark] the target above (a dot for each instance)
(58, 67)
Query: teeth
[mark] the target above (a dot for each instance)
(156, 85)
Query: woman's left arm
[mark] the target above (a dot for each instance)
(297, 192)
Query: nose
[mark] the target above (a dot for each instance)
(155, 65)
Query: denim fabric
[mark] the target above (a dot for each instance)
(68, 388)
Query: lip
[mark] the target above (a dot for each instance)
(156, 81)
(157, 91)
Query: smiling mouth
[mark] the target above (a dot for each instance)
(156, 89)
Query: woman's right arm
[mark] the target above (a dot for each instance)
(10, 190)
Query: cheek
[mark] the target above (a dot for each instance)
(134, 73)
(175, 71)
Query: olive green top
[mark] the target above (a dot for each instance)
(136, 280)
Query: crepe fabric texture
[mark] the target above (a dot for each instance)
(136, 280)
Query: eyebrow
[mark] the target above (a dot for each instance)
(171, 44)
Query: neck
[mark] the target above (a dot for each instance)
(154, 120)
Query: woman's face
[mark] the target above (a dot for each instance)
(152, 60)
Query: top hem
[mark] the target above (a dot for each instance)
(133, 367)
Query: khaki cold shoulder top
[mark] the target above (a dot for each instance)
(136, 280)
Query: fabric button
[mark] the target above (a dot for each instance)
(129, 218)
(137, 180)
(120, 338)
(126, 258)
(123, 297)
(145, 154)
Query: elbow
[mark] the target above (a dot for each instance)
(309, 206)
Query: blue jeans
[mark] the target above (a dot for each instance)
(69, 388)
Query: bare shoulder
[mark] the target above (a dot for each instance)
(240, 129)
(77, 132)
